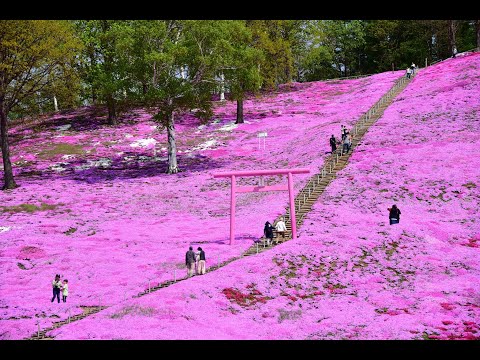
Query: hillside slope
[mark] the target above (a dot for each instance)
(96, 206)
(350, 275)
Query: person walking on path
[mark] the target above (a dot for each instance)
(394, 215)
(413, 68)
(268, 232)
(197, 259)
(409, 71)
(281, 228)
(343, 131)
(190, 262)
(333, 144)
(347, 143)
(64, 290)
(57, 284)
(201, 262)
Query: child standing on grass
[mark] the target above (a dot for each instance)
(65, 290)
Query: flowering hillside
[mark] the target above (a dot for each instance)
(96, 206)
(350, 275)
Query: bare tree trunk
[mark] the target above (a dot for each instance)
(55, 103)
(112, 115)
(7, 165)
(452, 30)
(477, 31)
(239, 111)
(172, 146)
(222, 88)
(144, 88)
(154, 80)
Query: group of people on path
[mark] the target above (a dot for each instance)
(346, 141)
(411, 70)
(58, 286)
(280, 227)
(195, 262)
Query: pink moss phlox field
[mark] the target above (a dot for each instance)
(348, 276)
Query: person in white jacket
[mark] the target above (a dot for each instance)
(281, 228)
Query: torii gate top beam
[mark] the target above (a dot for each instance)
(262, 172)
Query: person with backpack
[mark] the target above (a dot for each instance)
(394, 215)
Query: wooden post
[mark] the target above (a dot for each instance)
(426, 62)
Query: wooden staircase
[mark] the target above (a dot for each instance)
(87, 311)
(304, 201)
(335, 162)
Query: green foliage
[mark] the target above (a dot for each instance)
(37, 60)
(276, 40)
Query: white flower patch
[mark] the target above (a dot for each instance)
(129, 158)
(4, 228)
(228, 127)
(143, 159)
(59, 167)
(144, 142)
(206, 145)
(103, 163)
(68, 157)
(63, 127)
(128, 135)
(84, 166)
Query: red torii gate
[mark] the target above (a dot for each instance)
(244, 189)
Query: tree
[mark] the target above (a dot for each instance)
(101, 67)
(34, 54)
(477, 32)
(239, 64)
(180, 61)
(452, 31)
(274, 39)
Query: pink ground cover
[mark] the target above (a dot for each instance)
(350, 275)
(133, 223)
(105, 215)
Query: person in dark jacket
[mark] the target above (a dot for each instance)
(333, 144)
(201, 269)
(394, 215)
(190, 262)
(268, 232)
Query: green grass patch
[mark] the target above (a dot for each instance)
(470, 185)
(61, 149)
(70, 231)
(29, 208)
(134, 310)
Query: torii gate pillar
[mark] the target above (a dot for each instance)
(241, 189)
